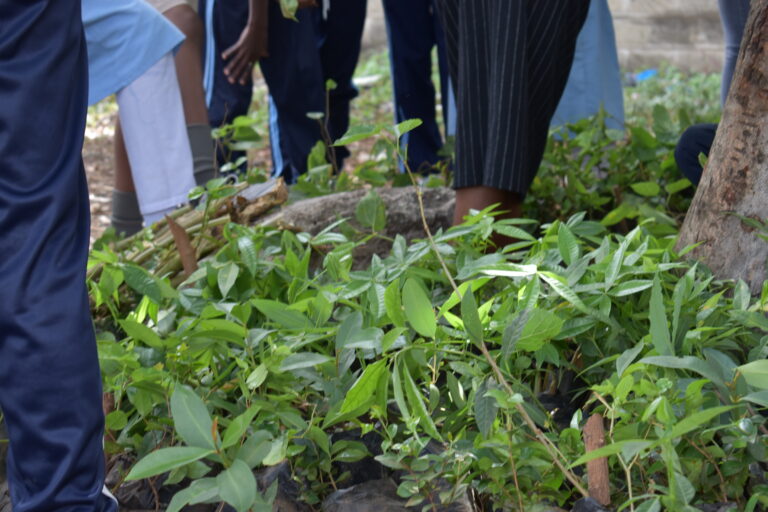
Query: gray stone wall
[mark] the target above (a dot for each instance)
(686, 33)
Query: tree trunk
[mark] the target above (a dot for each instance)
(735, 181)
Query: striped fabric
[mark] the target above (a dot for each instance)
(510, 61)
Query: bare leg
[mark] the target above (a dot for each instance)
(123, 178)
(189, 67)
(479, 198)
(126, 216)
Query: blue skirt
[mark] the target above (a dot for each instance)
(125, 38)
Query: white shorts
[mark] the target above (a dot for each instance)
(164, 5)
(155, 133)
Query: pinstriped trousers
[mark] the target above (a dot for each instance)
(509, 60)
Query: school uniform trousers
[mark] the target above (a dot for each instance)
(414, 30)
(50, 385)
(302, 57)
(510, 61)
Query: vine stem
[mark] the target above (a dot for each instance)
(554, 452)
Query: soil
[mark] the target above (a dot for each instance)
(99, 168)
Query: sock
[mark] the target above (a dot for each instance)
(202, 152)
(126, 216)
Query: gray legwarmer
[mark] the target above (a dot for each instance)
(126, 216)
(202, 152)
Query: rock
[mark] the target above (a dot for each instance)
(588, 505)
(403, 217)
(288, 497)
(381, 496)
(5, 497)
(365, 469)
(373, 496)
(718, 507)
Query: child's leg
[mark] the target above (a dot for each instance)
(126, 216)
(189, 67)
(152, 119)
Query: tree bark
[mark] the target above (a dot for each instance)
(597, 469)
(735, 181)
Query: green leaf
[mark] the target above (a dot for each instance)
(397, 390)
(626, 358)
(356, 133)
(512, 332)
(617, 215)
(203, 490)
(366, 339)
(394, 305)
(256, 448)
(226, 277)
(646, 188)
(456, 390)
(741, 295)
(691, 363)
(684, 488)
(755, 373)
(166, 459)
(371, 211)
(658, 318)
(143, 282)
(257, 377)
(248, 254)
(288, 8)
(696, 420)
(417, 402)
(614, 266)
(485, 408)
(363, 391)
(376, 301)
(652, 505)
(418, 309)
(198, 491)
(191, 418)
(569, 295)
(631, 287)
(677, 186)
(141, 333)
(611, 449)
(758, 397)
(301, 360)
(567, 244)
(471, 317)
(751, 319)
(351, 324)
(116, 420)
(406, 126)
(542, 326)
(281, 314)
(237, 486)
(237, 428)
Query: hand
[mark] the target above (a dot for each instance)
(242, 55)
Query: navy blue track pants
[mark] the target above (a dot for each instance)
(413, 30)
(302, 57)
(50, 386)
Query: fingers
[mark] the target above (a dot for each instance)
(239, 68)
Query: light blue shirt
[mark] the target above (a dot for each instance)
(125, 38)
(595, 78)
